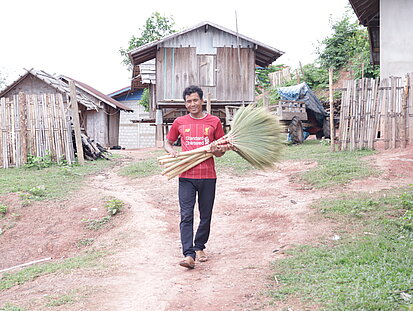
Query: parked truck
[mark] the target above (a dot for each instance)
(302, 113)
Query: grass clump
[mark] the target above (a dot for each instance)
(8, 280)
(334, 168)
(368, 269)
(3, 209)
(61, 300)
(113, 207)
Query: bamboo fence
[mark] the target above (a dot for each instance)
(34, 125)
(376, 110)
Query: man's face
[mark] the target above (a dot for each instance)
(193, 104)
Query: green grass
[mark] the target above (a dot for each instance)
(143, 168)
(368, 269)
(58, 301)
(48, 183)
(334, 168)
(11, 307)
(8, 280)
(231, 162)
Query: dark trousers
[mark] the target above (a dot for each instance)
(188, 190)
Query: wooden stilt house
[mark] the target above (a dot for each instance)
(220, 61)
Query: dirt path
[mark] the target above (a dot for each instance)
(255, 218)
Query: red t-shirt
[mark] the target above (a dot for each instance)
(196, 133)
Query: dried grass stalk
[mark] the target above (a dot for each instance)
(256, 135)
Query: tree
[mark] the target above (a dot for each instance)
(2, 80)
(155, 28)
(347, 48)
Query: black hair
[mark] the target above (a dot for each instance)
(193, 89)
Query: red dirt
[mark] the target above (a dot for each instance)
(256, 217)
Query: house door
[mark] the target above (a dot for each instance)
(207, 74)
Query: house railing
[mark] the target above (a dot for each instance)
(34, 125)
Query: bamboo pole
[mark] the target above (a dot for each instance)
(3, 132)
(409, 112)
(362, 113)
(76, 123)
(403, 122)
(23, 126)
(386, 121)
(26, 264)
(352, 124)
(330, 84)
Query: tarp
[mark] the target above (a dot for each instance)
(302, 92)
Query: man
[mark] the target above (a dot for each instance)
(196, 129)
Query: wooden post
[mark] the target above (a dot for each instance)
(159, 128)
(208, 105)
(403, 123)
(298, 76)
(76, 123)
(301, 69)
(330, 84)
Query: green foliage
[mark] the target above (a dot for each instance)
(39, 162)
(2, 80)
(263, 80)
(145, 99)
(3, 209)
(114, 206)
(315, 76)
(347, 48)
(155, 28)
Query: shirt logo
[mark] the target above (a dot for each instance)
(187, 130)
(206, 131)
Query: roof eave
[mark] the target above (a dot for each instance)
(148, 51)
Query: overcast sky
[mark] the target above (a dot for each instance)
(81, 38)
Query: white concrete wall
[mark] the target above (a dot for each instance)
(396, 37)
(135, 135)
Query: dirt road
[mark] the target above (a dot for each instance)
(256, 217)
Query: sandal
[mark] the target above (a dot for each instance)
(202, 257)
(188, 262)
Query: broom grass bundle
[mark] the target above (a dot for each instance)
(255, 135)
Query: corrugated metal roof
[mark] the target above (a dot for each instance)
(55, 83)
(99, 95)
(61, 84)
(265, 54)
(367, 11)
